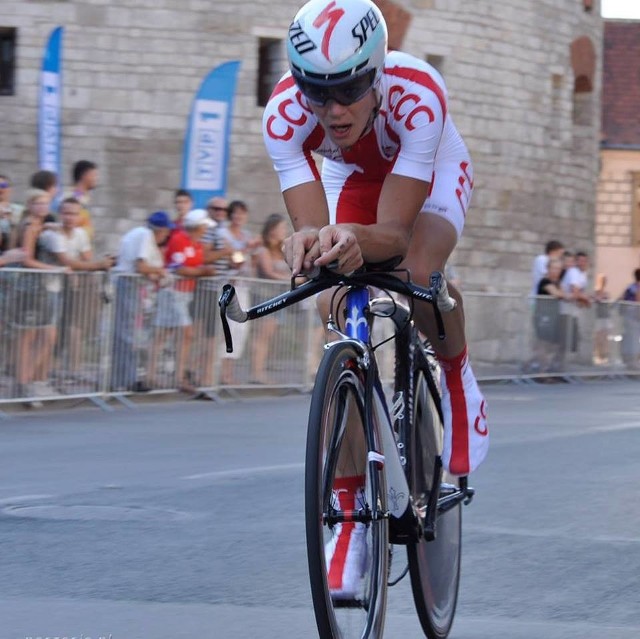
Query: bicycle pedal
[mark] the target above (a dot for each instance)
(470, 493)
(449, 489)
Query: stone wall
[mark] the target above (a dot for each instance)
(618, 252)
(511, 82)
(615, 198)
(132, 68)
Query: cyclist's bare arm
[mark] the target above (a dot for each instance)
(307, 207)
(309, 213)
(400, 202)
(315, 243)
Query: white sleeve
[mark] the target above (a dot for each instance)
(419, 115)
(291, 132)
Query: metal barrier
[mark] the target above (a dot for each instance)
(515, 336)
(96, 335)
(168, 337)
(54, 328)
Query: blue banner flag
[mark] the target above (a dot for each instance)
(49, 116)
(206, 145)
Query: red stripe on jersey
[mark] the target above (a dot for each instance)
(423, 78)
(358, 200)
(311, 144)
(282, 86)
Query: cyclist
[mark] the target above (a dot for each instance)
(396, 180)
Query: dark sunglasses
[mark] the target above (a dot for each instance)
(217, 208)
(345, 93)
(5, 185)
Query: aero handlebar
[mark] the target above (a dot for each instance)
(437, 294)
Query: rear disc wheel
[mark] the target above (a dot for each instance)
(434, 566)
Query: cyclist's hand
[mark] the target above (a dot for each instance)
(301, 250)
(338, 244)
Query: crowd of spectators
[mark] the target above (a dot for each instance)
(564, 294)
(161, 284)
(194, 246)
(163, 268)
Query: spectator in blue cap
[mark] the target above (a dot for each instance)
(139, 255)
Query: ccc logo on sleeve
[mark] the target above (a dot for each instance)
(290, 113)
(401, 103)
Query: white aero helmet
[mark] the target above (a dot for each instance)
(336, 49)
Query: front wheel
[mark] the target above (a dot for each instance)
(434, 566)
(338, 441)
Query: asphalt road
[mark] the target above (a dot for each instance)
(184, 520)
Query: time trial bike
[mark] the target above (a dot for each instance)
(396, 439)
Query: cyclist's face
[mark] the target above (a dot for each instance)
(345, 124)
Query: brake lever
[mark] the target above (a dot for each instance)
(445, 302)
(440, 300)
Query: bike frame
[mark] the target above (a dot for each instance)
(405, 524)
(404, 521)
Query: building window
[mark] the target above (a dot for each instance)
(272, 64)
(635, 211)
(583, 61)
(7, 60)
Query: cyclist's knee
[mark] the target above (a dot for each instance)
(323, 304)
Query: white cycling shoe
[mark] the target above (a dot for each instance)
(346, 553)
(464, 409)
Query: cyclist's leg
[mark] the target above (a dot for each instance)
(345, 551)
(464, 407)
(432, 242)
(334, 176)
(355, 464)
(347, 558)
